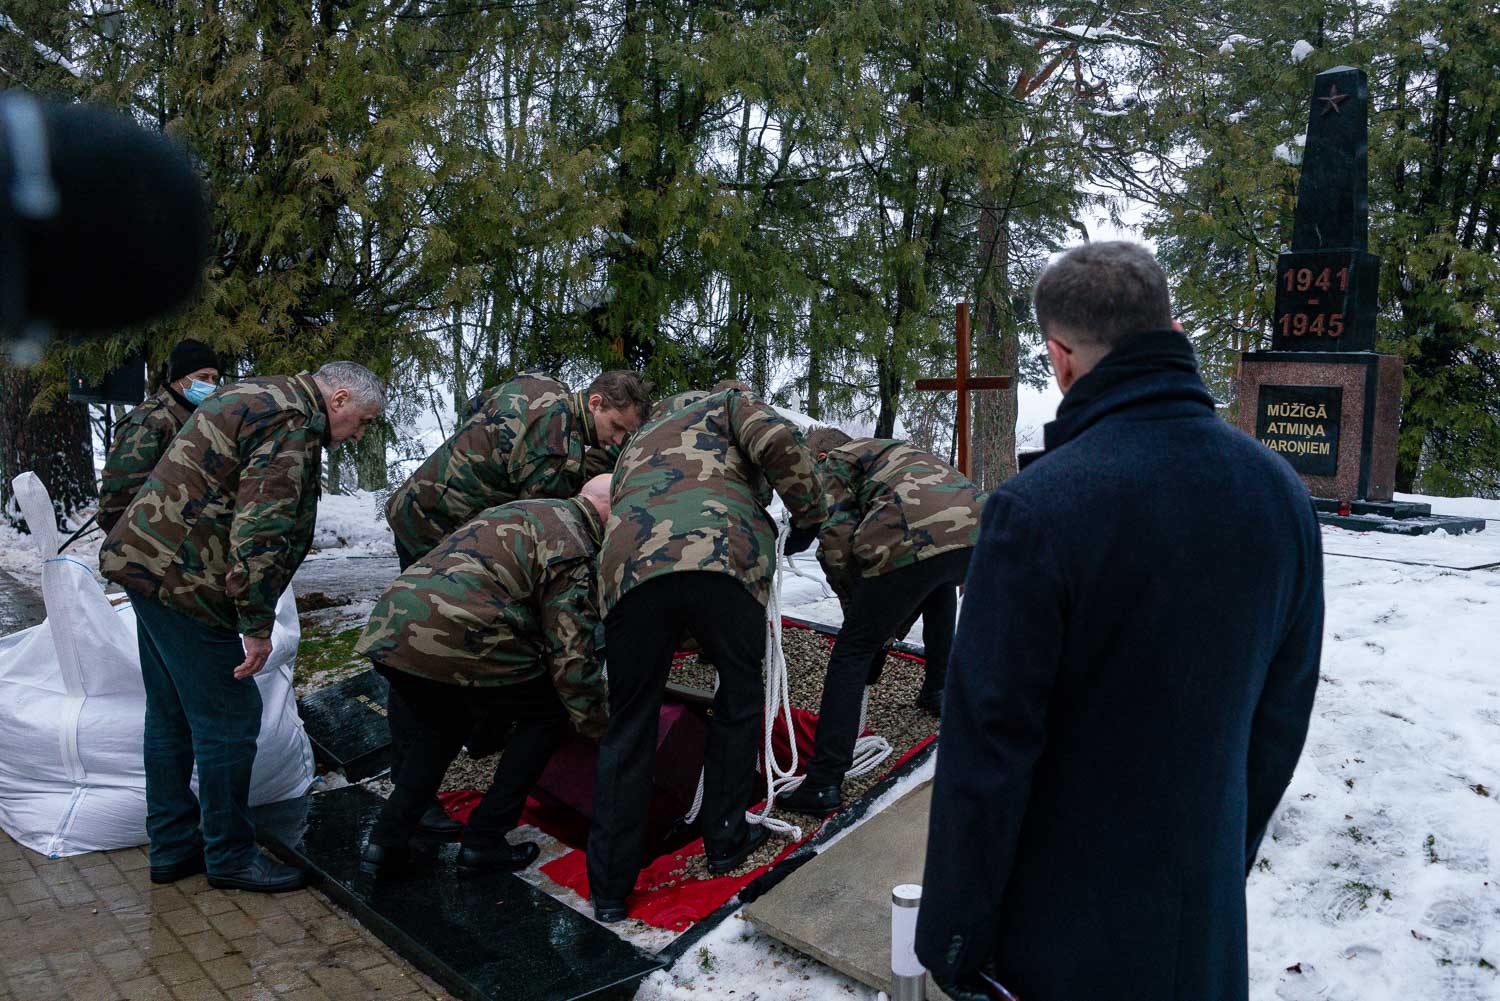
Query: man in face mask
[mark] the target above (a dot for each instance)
(193, 372)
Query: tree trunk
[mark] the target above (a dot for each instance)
(370, 458)
(888, 377)
(814, 401)
(55, 444)
(997, 350)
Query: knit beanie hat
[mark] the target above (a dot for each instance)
(189, 356)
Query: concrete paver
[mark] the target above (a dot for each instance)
(95, 927)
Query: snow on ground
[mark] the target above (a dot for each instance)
(1378, 869)
(354, 524)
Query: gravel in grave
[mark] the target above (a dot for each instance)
(891, 713)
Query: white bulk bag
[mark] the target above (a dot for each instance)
(72, 710)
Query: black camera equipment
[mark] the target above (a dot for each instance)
(103, 224)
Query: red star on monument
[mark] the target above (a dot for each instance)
(1333, 100)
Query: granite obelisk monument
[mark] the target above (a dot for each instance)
(1322, 397)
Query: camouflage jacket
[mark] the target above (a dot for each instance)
(889, 506)
(668, 404)
(527, 439)
(691, 492)
(510, 595)
(227, 514)
(143, 436)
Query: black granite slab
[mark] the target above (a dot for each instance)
(347, 725)
(1407, 525)
(1385, 509)
(491, 937)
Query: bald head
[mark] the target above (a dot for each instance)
(596, 492)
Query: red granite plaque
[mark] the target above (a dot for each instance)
(1280, 389)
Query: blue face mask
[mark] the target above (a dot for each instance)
(197, 392)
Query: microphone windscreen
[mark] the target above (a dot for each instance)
(130, 238)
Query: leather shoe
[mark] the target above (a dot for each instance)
(755, 836)
(378, 860)
(817, 801)
(181, 869)
(264, 875)
(436, 821)
(931, 702)
(609, 911)
(503, 857)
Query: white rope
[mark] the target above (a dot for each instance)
(869, 751)
(778, 701)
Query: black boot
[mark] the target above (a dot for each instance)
(930, 701)
(378, 860)
(264, 875)
(504, 857)
(755, 836)
(173, 871)
(435, 820)
(817, 801)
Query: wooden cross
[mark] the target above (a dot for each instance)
(965, 385)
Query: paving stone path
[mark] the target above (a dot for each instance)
(94, 928)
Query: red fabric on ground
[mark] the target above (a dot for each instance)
(661, 897)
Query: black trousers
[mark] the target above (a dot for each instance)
(878, 607)
(642, 632)
(434, 719)
(405, 557)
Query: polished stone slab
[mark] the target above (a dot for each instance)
(491, 937)
(850, 928)
(347, 725)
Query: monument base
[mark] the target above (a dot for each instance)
(1392, 517)
(1332, 415)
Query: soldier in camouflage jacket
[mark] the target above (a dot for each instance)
(690, 548)
(497, 623)
(529, 437)
(204, 551)
(901, 527)
(146, 431)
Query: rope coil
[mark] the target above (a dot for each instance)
(869, 751)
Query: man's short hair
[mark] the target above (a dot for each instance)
(365, 387)
(1101, 293)
(622, 389)
(825, 438)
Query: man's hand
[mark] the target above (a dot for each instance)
(257, 650)
(981, 985)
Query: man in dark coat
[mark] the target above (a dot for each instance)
(1131, 681)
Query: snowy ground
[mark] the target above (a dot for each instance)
(1377, 878)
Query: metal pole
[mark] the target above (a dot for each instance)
(908, 977)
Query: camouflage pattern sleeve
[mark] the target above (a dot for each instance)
(260, 563)
(549, 459)
(771, 442)
(570, 624)
(836, 537)
(143, 436)
(600, 459)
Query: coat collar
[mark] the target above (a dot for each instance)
(1148, 368)
(318, 414)
(578, 405)
(591, 520)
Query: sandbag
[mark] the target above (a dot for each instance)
(72, 710)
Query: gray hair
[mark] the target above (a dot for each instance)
(1103, 292)
(365, 388)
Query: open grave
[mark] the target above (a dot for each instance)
(531, 935)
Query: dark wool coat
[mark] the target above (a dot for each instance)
(1128, 694)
